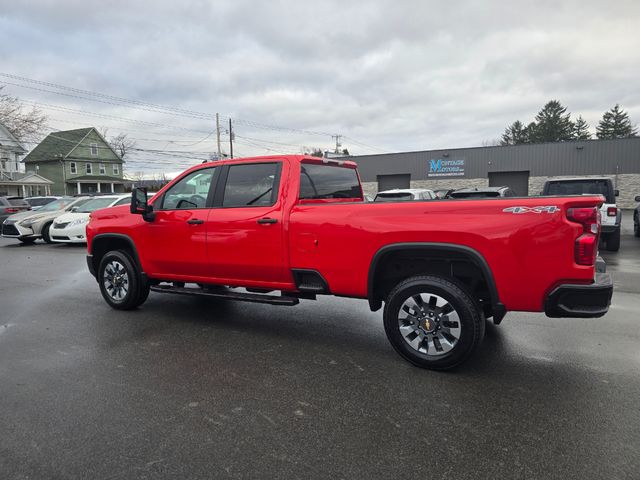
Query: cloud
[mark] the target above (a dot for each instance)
(396, 75)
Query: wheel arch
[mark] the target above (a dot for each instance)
(105, 242)
(440, 251)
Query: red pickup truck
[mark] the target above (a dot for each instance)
(299, 226)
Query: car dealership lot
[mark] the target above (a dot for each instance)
(198, 388)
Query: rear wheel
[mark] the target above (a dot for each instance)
(433, 322)
(120, 281)
(613, 241)
(636, 226)
(45, 233)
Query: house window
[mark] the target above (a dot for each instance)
(88, 168)
(74, 169)
(103, 169)
(94, 149)
(116, 170)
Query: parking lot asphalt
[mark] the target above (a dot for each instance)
(198, 388)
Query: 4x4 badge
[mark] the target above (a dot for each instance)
(540, 209)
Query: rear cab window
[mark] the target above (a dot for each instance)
(330, 182)
(18, 202)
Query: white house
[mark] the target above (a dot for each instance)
(13, 182)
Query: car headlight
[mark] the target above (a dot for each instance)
(80, 221)
(28, 222)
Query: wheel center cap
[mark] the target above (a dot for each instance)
(428, 324)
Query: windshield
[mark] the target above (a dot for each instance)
(474, 194)
(56, 205)
(581, 187)
(96, 204)
(394, 197)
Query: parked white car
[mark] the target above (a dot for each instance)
(71, 227)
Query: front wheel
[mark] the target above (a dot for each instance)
(636, 226)
(45, 233)
(120, 281)
(433, 322)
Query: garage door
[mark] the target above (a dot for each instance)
(517, 181)
(387, 182)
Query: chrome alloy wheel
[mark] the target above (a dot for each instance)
(429, 324)
(116, 280)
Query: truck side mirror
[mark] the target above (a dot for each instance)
(140, 205)
(616, 192)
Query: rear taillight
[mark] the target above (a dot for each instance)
(586, 245)
(612, 211)
(11, 210)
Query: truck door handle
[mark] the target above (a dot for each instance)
(195, 221)
(267, 220)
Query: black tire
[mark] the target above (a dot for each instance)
(120, 281)
(45, 233)
(636, 226)
(27, 241)
(471, 323)
(613, 241)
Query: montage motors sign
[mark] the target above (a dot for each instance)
(446, 168)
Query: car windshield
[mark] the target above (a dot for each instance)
(36, 202)
(56, 205)
(394, 197)
(474, 194)
(96, 204)
(581, 187)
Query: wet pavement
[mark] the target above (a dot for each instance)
(197, 388)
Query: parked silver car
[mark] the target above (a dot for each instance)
(29, 226)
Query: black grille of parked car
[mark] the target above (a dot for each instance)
(61, 225)
(9, 229)
(60, 238)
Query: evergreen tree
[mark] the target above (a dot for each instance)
(581, 129)
(615, 124)
(515, 134)
(553, 124)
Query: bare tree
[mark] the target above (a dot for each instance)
(122, 144)
(25, 124)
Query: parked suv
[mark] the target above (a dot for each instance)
(611, 215)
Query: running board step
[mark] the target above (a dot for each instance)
(241, 297)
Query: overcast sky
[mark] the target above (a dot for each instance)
(388, 75)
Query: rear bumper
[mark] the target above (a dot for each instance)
(581, 301)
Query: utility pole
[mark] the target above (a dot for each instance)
(230, 138)
(338, 144)
(218, 135)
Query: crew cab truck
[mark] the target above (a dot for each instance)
(299, 226)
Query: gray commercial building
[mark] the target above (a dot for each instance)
(524, 168)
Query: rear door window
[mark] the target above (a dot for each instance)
(251, 185)
(328, 182)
